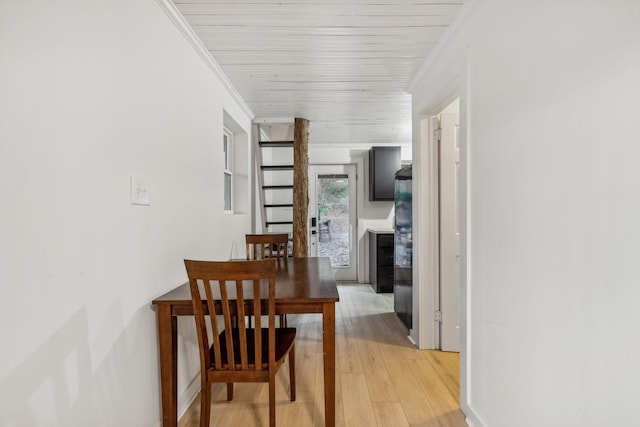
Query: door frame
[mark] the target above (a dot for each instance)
(445, 288)
(426, 331)
(427, 220)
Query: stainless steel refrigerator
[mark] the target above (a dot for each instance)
(403, 247)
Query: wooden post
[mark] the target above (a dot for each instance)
(300, 187)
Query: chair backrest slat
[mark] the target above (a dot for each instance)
(213, 319)
(258, 324)
(228, 324)
(223, 283)
(201, 326)
(242, 328)
(272, 331)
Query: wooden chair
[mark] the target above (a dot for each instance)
(270, 245)
(238, 354)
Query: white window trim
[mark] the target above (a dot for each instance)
(228, 167)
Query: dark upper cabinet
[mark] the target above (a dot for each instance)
(384, 162)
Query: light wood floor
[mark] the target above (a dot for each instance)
(381, 379)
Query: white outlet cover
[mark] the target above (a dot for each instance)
(140, 191)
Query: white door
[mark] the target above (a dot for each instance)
(332, 217)
(449, 231)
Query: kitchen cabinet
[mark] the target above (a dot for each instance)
(384, 162)
(381, 260)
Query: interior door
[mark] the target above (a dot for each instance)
(449, 231)
(332, 217)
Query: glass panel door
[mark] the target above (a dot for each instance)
(332, 193)
(333, 218)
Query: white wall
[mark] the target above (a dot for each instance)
(92, 92)
(549, 92)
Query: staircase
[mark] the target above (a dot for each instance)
(274, 161)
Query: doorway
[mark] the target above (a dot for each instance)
(332, 217)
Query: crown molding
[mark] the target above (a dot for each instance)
(436, 55)
(181, 24)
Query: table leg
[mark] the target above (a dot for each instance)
(329, 349)
(168, 348)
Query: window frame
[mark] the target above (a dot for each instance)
(227, 149)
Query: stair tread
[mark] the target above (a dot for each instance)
(276, 167)
(267, 187)
(276, 143)
(278, 205)
(278, 222)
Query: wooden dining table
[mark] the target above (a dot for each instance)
(303, 285)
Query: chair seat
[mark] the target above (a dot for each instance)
(284, 340)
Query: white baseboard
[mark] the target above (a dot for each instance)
(471, 418)
(410, 338)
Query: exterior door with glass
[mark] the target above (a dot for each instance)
(332, 217)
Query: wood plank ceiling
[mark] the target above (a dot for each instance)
(341, 64)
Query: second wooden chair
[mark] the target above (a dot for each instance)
(269, 245)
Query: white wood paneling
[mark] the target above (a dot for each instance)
(343, 65)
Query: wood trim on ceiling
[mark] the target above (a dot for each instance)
(178, 20)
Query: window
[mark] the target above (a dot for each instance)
(236, 165)
(227, 146)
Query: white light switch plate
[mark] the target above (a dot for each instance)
(140, 191)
